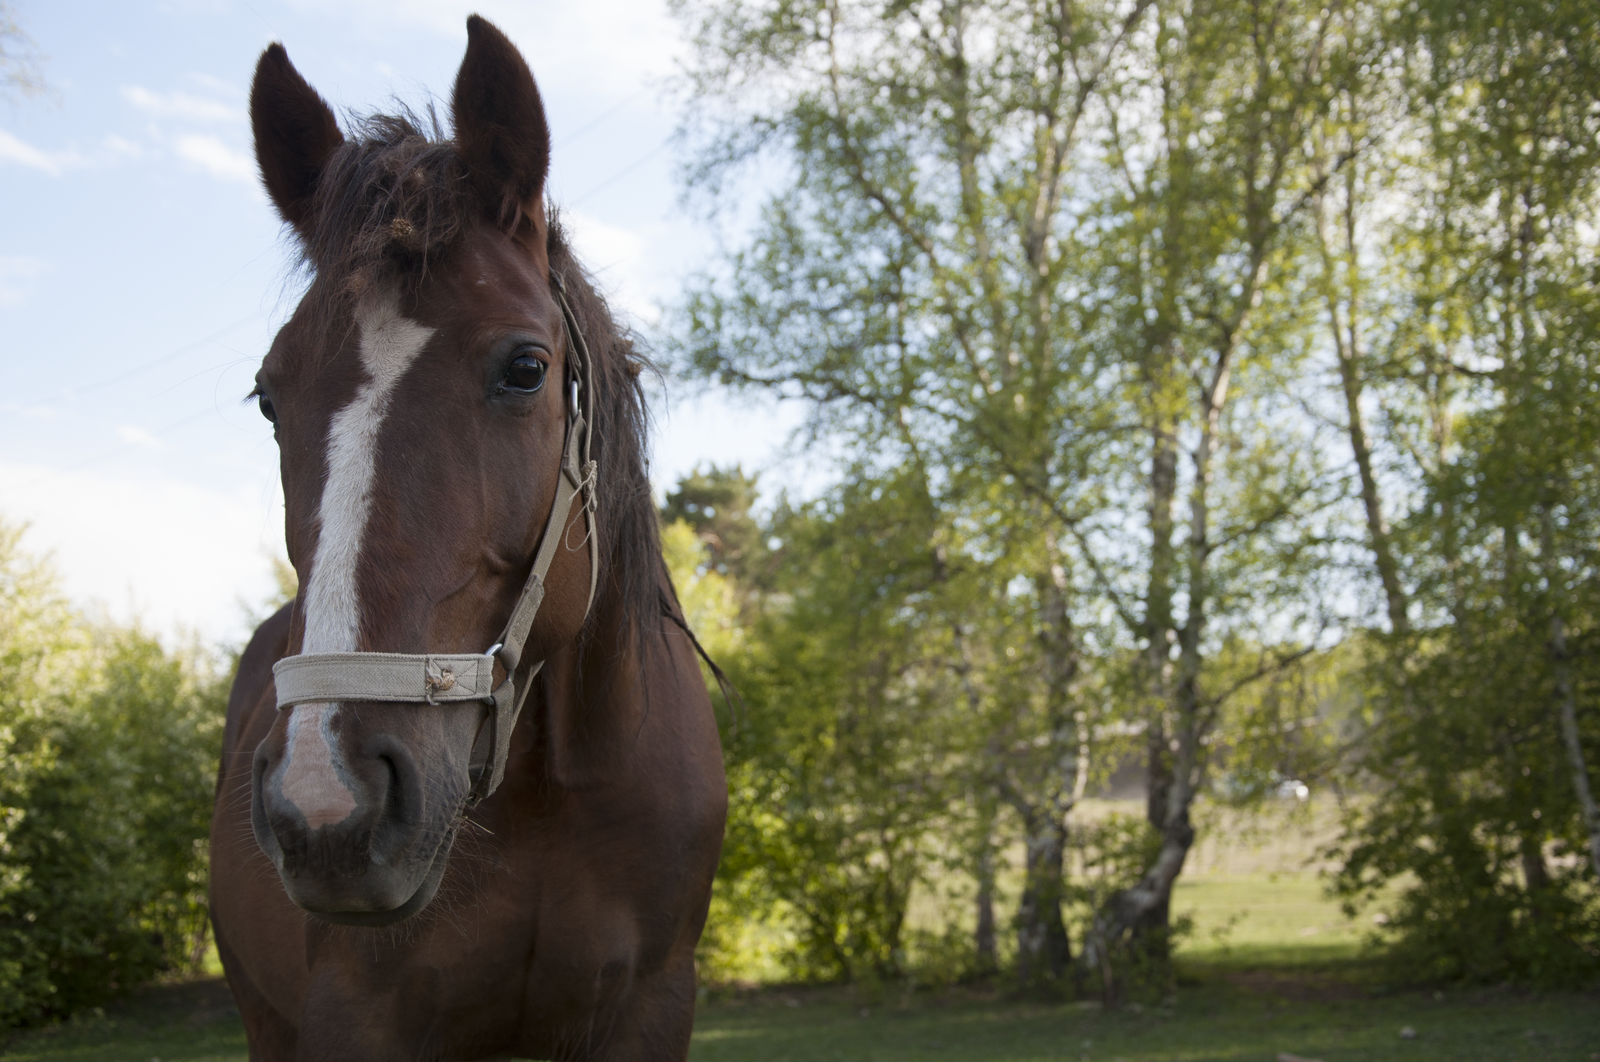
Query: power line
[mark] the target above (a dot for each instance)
(108, 454)
(595, 123)
(137, 369)
(615, 177)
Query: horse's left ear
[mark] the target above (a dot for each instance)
(501, 132)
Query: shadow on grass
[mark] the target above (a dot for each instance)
(1232, 1010)
(191, 1022)
(1224, 1011)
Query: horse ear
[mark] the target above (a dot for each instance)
(295, 133)
(501, 132)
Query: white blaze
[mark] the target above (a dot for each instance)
(389, 344)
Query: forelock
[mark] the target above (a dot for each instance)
(390, 203)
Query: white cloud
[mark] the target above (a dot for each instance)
(173, 555)
(180, 105)
(611, 46)
(694, 429)
(16, 274)
(616, 256)
(19, 151)
(215, 84)
(121, 146)
(134, 435)
(603, 246)
(32, 412)
(216, 158)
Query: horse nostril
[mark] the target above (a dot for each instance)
(400, 815)
(260, 822)
(392, 799)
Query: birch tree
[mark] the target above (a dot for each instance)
(1457, 277)
(1208, 147)
(918, 280)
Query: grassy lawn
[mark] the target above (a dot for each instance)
(1223, 1015)
(1264, 919)
(173, 1023)
(1216, 1021)
(1270, 972)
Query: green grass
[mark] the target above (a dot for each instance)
(1227, 1017)
(1264, 919)
(173, 1023)
(1216, 1022)
(1271, 968)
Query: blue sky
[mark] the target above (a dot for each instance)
(143, 272)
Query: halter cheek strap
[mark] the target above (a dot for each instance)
(447, 678)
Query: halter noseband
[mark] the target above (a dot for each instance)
(429, 678)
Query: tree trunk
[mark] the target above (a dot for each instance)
(1160, 628)
(984, 936)
(1566, 706)
(1043, 950)
(1565, 693)
(987, 961)
(1346, 342)
(1535, 874)
(1142, 910)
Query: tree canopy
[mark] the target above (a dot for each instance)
(1213, 379)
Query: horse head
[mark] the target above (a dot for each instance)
(424, 396)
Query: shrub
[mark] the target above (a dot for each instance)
(1472, 820)
(107, 754)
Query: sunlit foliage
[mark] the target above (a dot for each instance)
(107, 765)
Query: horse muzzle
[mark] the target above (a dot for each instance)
(348, 824)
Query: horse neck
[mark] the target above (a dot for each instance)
(594, 703)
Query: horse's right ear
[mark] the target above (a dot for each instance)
(295, 133)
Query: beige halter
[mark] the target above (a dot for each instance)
(452, 677)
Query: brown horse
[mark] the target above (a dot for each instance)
(402, 866)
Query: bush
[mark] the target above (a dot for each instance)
(835, 784)
(107, 760)
(1473, 822)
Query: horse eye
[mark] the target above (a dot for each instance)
(524, 375)
(265, 405)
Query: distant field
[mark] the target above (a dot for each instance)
(1254, 886)
(1262, 918)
